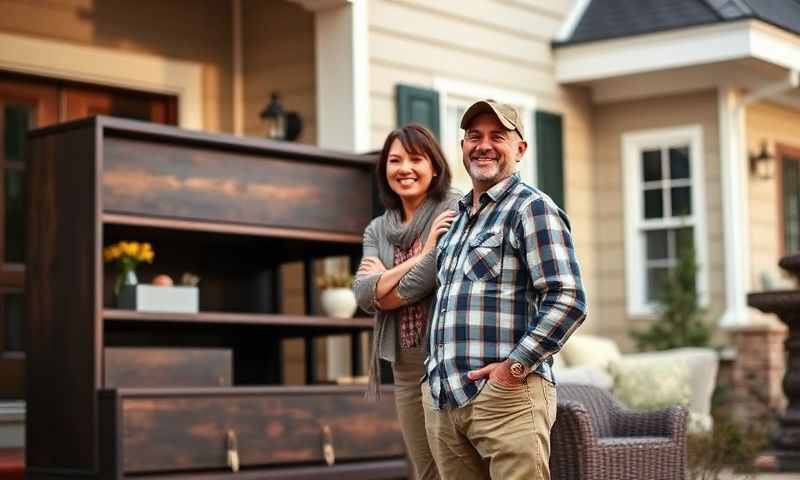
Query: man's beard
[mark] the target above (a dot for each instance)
(485, 173)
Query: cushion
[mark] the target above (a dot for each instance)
(590, 350)
(651, 383)
(585, 375)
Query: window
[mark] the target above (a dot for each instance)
(790, 199)
(454, 99)
(664, 211)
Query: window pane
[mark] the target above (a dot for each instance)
(651, 165)
(657, 244)
(679, 162)
(16, 122)
(681, 201)
(653, 203)
(15, 216)
(684, 239)
(656, 279)
(14, 321)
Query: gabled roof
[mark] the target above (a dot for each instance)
(605, 19)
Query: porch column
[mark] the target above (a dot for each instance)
(736, 231)
(342, 81)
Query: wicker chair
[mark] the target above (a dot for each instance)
(594, 438)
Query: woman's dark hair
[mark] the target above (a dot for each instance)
(416, 140)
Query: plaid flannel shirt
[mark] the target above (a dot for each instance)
(508, 286)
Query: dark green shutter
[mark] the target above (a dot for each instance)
(418, 105)
(550, 155)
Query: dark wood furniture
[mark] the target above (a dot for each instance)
(233, 211)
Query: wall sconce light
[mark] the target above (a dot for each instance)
(762, 164)
(280, 124)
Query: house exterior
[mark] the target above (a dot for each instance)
(644, 116)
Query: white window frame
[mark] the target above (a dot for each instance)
(448, 89)
(633, 143)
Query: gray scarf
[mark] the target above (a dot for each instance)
(402, 236)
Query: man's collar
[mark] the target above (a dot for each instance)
(497, 192)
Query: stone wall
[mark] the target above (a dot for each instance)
(757, 372)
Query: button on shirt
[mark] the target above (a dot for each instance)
(509, 286)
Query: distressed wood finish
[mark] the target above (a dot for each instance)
(192, 183)
(167, 367)
(187, 430)
(232, 211)
(62, 302)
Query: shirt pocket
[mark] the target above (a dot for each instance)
(484, 257)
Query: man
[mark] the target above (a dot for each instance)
(509, 294)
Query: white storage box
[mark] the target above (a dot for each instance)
(152, 298)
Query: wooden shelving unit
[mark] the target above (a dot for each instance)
(120, 394)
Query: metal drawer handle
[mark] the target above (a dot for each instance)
(233, 451)
(327, 445)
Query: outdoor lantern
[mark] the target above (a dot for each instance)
(275, 119)
(762, 164)
(281, 125)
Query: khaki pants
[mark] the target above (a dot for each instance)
(503, 434)
(408, 371)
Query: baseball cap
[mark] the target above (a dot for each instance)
(506, 114)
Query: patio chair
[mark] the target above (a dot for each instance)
(595, 438)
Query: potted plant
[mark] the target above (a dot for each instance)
(337, 298)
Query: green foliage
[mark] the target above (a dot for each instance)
(731, 445)
(680, 323)
(335, 280)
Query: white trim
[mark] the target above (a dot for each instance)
(574, 16)
(108, 67)
(526, 103)
(677, 48)
(632, 144)
(342, 76)
(361, 119)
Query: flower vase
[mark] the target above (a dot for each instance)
(126, 276)
(338, 302)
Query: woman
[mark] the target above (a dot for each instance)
(397, 274)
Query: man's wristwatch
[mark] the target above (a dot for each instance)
(518, 370)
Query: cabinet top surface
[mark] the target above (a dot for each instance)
(134, 128)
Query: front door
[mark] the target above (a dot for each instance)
(27, 103)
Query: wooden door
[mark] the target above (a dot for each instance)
(27, 103)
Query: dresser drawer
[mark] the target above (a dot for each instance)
(193, 429)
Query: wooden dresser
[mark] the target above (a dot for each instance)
(115, 394)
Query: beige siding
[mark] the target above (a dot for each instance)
(497, 44)
(278, 40)
(179, 29)
(777, 125)
(610, 122)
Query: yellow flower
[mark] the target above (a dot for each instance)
(147, 256)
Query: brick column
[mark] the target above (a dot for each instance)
(758, 371)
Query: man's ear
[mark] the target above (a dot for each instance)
(522, 147)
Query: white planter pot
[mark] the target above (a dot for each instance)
(338, 302)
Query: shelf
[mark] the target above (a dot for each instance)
(239, 318)
(389, 469)
(229, 228)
